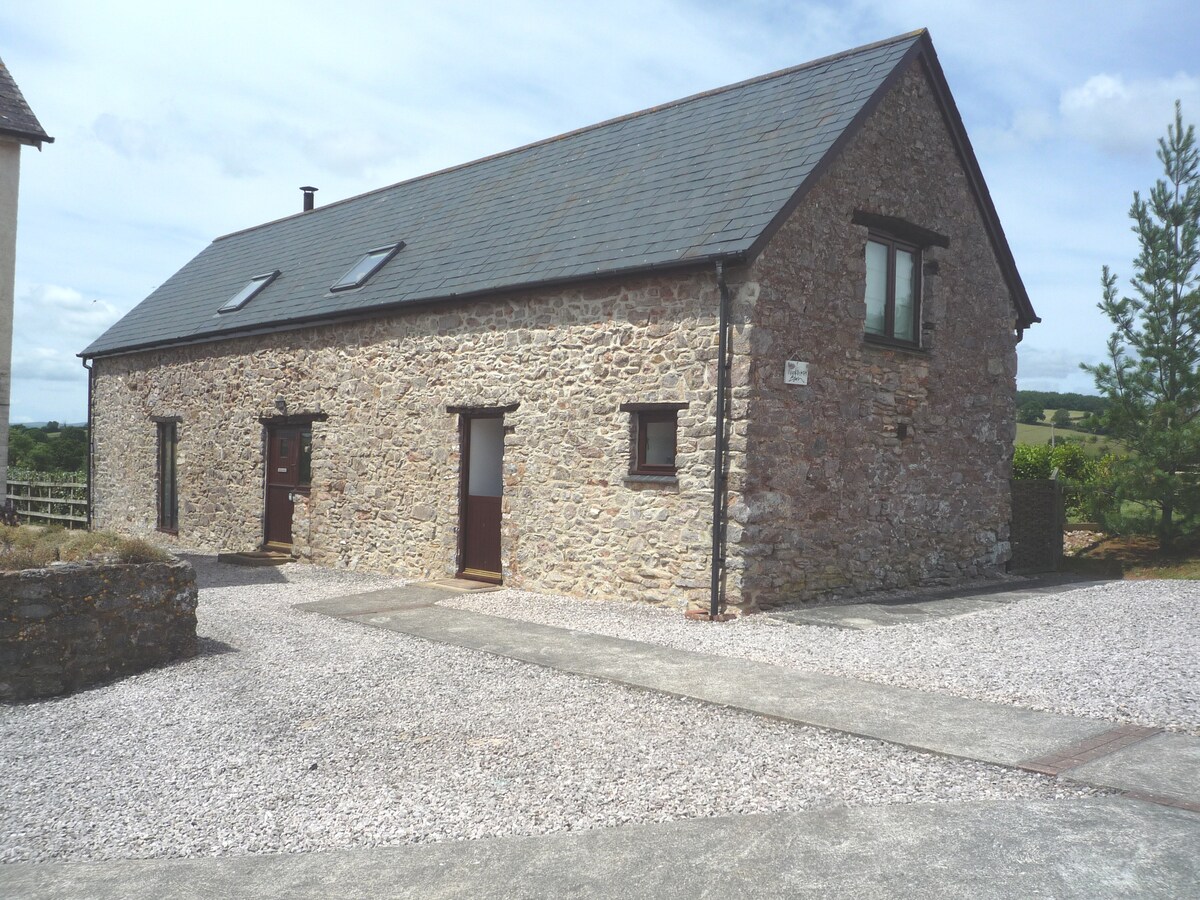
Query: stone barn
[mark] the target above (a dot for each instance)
(754, 346)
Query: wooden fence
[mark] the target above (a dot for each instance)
(41, 501)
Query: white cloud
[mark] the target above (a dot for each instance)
(51, 323)
(44, 364)
(62, 314)
(130, 138)
(1044, 364)
(1127, 116)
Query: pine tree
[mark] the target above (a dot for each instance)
(1151, 375)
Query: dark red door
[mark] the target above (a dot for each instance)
(482, 490)
(283, 480)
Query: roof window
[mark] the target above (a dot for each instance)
(370, 263)
(249, 292)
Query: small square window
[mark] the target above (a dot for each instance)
(249, 292)
(654, 453)
(893, 289)
(370, 263)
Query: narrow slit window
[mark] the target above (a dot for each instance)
(168, 482)
(249, 292)
(370, 263)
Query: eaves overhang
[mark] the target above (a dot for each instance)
(400, 306)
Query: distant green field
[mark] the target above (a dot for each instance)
(1040, 434)
(1075, 414)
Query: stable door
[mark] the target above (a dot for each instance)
(482, 489)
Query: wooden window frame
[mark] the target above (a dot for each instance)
(167, 476)
(643, 414)
(889, 308)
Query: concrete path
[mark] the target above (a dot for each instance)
(1098, 848)
(1161, 767)
(919, 606)
(1112, 846)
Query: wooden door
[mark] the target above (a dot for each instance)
(482, 488)
(283, 479)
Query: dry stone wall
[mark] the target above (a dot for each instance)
(385, 459)
(890, 468)
(74, 625)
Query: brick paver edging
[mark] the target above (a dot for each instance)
(1085, 751)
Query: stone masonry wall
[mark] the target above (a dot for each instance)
(890, 468)
(385, 464)
(73, 625)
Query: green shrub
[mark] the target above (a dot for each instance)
(1031, 461)
(1089, 484)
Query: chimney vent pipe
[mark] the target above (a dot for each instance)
(308, 197)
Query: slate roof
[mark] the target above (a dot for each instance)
(16, 118)
(703, 178)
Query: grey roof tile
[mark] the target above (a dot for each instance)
(703, 176)
(16, 118)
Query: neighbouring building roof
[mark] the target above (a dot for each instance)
(16, 118)
(707, 177)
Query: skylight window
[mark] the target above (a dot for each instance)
(372, 261)
(249, 292)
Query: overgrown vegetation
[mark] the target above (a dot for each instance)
(27, 547)
(1086, 480)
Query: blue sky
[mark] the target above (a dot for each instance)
(178, 122)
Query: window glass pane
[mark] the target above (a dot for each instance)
(363, 269)
(877, 265)
(904, 295)
(485, 476)
(248, 293)
(660, 443)
(306, 456)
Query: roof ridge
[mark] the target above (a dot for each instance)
(779, 73)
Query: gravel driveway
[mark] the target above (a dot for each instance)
(1124, 650)
(296, 732)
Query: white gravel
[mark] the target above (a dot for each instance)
(296, 732)
(1125, 651)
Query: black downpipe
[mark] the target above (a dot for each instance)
(721, 451)
(90, 441)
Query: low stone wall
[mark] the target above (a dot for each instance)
(72, 625)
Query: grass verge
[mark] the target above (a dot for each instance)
(1141, 558)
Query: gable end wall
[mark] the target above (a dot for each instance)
(831, 499)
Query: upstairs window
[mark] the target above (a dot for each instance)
(893, 289)
(249, 292)
(370, 263)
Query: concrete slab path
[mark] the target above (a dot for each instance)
(1164, 768)
(921, 606)
(1097, 848)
